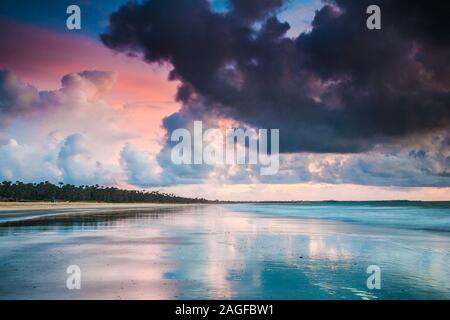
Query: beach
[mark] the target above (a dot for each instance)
(237, 251)
(37, 212)
(46, 206)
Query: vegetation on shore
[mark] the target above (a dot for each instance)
(46, 191)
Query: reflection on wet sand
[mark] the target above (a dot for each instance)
(215, 252)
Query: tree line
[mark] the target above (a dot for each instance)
(46, 191)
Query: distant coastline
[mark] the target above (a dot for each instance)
(389, 203)
(65, 194)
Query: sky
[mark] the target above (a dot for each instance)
(363, 114)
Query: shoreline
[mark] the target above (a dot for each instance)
(40, 205)
(18, 212)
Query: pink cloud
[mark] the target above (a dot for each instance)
(42, 57)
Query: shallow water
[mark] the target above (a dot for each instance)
(231, 252)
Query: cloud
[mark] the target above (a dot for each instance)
(16, 98)
(427, 164)
(338, 88)
(141, 169)
(354, 106)
(70, 134)
(145, 170)
(79, 99)
(91, 83)
(27, 163)
(69, 161)
(254, 9)
(77, 165)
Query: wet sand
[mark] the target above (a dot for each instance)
(218, 252)
(21, 213)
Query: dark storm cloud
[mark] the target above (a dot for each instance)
(254, 9)
(338, 88)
